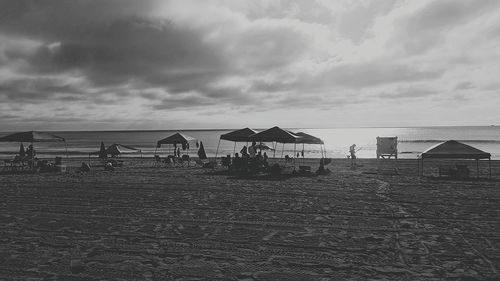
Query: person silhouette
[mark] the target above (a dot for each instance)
(352, 151)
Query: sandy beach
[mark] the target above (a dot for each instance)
(141, 222)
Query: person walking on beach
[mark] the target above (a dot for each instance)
(352, 151)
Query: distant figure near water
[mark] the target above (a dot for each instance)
(30, 152)
(352, 151)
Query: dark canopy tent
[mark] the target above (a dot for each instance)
(241, 135)
(176, 139)
(455, 150)
(32, 137)
(309, 139)
(276, 135)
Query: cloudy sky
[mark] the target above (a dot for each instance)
(159, 64)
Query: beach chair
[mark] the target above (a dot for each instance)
(7, 165)
(185, 159)
(226, 161)
(158, 162)
(20, 163)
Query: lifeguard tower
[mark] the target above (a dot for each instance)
(387, 148)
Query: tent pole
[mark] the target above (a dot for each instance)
(303, 160)
(489, 164)
(234, 149)
(32, 157)
(477, 168)
(274, 147)
(282, 150)
(294, 156)
(217, 151)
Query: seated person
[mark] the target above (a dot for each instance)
(265, 164)
(226, 161)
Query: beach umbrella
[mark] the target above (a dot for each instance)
(117, 149)
(32, 137)
(201, 152)
(102, 151)
(22, 152)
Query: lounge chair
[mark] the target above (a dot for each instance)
(158, 162)
(185, 158)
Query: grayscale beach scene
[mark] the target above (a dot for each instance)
(249, 140)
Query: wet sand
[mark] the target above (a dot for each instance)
(141, 222)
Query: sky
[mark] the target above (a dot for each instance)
(160, 64)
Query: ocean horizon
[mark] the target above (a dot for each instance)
(411, 141)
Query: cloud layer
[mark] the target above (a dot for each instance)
(118, 64)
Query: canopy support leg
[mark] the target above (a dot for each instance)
(294, 156)
(32, 157)
(234, 149)
(477, 168)
(489, 164)
(303, 160)
(217, 151)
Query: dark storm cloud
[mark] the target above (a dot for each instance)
(37, 90)
(111, 49)
(127, 59)
(156, 52)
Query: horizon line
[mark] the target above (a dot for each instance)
(289, 128)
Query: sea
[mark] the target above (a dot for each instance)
(411, 141)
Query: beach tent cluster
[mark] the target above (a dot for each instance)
(446, 150)
(273, 135)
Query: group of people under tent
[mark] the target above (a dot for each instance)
(251, 160)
